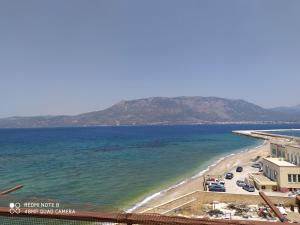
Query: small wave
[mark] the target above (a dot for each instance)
(201, 173)
(147, 199)
(138, 205)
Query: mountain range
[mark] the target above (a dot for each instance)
(163, 110)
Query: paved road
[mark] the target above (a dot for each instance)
(231, 186)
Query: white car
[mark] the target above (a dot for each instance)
(222, 182)
(213, 183)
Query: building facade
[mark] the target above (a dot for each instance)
(283, 166)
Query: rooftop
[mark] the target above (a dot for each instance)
(279, 162)
(262, 180)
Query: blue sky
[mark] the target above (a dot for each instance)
(69, 57)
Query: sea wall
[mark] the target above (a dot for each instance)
(193, 201)
(174, 204)
(208, 197)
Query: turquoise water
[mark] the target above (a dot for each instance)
(112, 166)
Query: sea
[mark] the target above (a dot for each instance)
(114, 167)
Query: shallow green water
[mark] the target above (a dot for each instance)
(111, 167)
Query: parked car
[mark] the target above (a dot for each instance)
(222, 182)
(256, 165)
(249, 188)
(213, 184)
(240, 183)
(229, 176)
(217, 188)
(294, 193)
(209, 180)
(239, 169)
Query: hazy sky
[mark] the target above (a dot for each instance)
(68, 57)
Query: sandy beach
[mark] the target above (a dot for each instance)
(196, 183)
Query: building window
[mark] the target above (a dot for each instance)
(283, 154)
(294, 178)
(298, 177)
(263, 187)
(289, 177)
(273, 152)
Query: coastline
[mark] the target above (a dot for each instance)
(218, 167)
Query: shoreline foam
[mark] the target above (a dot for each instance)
(200, 174)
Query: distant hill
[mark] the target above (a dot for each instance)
(162, 110)
(288, 109)
(292, 112)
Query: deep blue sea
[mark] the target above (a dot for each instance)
(112, 166)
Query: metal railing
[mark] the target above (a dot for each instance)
(132, 218)
(124, 218)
